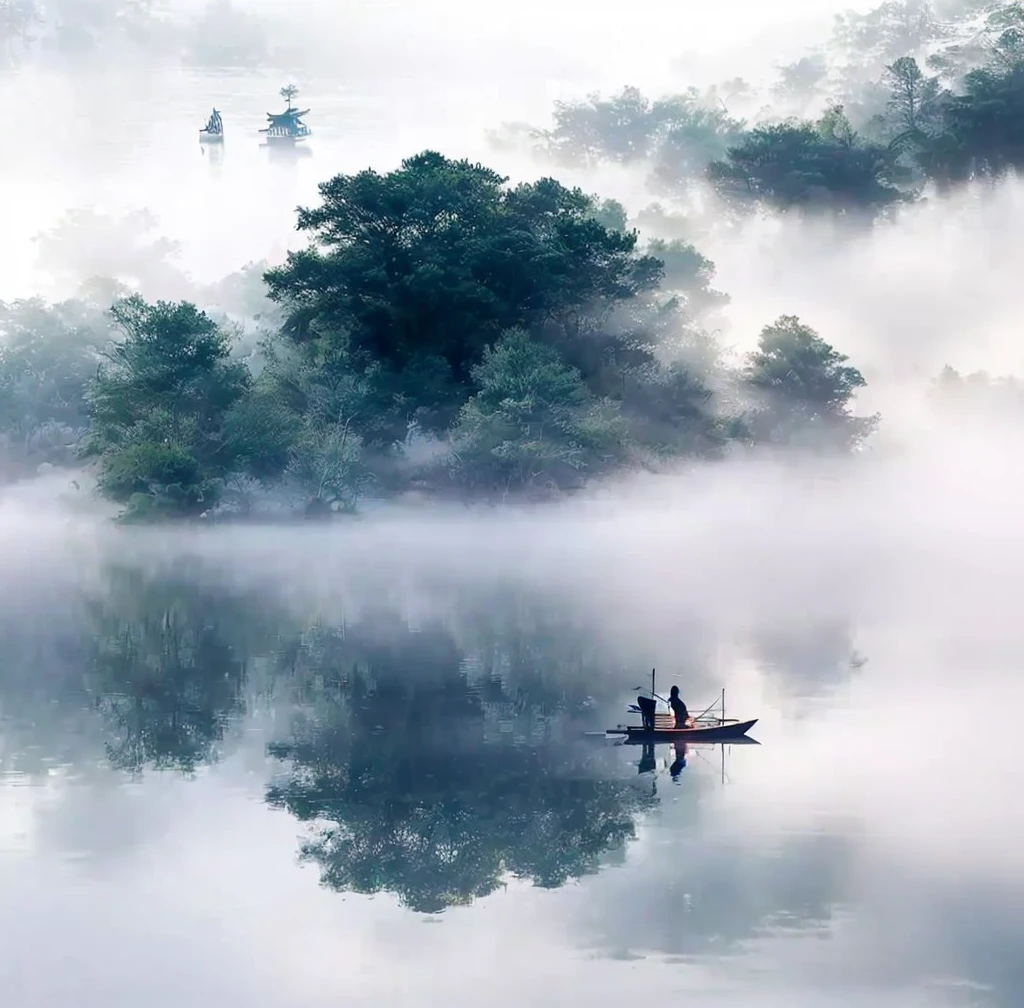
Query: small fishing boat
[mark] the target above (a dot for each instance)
(213, 131)
(287, 127)
(719, 732)
(705, 727)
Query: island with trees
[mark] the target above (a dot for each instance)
(444, 330)
(448, 331)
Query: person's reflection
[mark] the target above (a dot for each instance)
(680, 761)
(647, 759)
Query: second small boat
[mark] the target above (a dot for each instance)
(213, 131)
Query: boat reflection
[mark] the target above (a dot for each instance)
(286, 153)
(214, 153)
(680, 752)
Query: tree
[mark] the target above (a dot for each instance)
(47, 357)
(821, 166)
(670, 411)
(693, 131)
(621, 128)
(16, 18)
(800, 82)
(86, 244)
(688, 274)
(611, 214)
(334, 408)
(891, 30)
(802, 389)
(679, 134)
(532, 424)
(1000, 397)
(427, 265)
(224, 35)
(913, 105)
(984, 128)
(158, 407)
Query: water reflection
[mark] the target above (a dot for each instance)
(422, 784)
(285, 154)
(428, 748)
(164, 674)
(214, 154)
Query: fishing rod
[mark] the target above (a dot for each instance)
(712, 704)
(640, 689)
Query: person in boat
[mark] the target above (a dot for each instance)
(647, 761)
(678, 708)
(647, 705)
(679, 764)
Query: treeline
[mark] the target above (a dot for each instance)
(946, 107)
(444, 331)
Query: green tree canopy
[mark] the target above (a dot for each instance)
(677, 134)
(159, 406)
(823, 166)
(533, 422)
(803, 388)
(48, 354)
(429, 263)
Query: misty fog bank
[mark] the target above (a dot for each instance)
(925, 535)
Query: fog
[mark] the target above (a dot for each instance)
(920, 529)
(913, 547)
(384, 81)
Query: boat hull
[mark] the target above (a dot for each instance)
(712, 733)
(205, 137)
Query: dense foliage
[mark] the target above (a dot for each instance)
(168, 414)
(448, 332)
(444, 331)
(910, 94)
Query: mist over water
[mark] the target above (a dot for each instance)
(199, 798)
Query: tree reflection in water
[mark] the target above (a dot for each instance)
(168, 667)
(412, 786)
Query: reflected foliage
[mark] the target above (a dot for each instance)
(414, 782)
(168, 668)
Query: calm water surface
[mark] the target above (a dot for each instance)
(119, 140)
(217, 788)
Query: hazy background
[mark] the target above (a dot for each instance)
(915, 552)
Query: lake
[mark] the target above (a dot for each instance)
(122, 139)
(280, 767)
(283, 767)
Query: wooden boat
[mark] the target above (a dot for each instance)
(705, 727)
(213, 131)
(719, 731)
